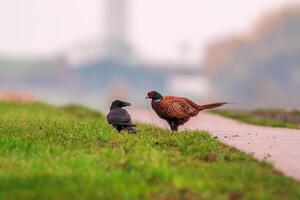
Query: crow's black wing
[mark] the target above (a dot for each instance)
(119, 117)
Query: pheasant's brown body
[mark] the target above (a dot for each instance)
(178, 110)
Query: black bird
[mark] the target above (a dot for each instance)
(119, 118)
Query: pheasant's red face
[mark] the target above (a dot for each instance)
(150, 95)
(155, 96)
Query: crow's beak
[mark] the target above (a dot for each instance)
(126, 104)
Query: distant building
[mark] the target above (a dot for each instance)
(107, 68)
(116, 45)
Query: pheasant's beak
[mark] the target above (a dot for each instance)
(147, 97)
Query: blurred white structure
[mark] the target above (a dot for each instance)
(114, 44)
(117, 29)
(187, 85)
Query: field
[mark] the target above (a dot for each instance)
(70, 152)
(265, 117)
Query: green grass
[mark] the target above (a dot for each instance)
(48, 152)
(267, 117)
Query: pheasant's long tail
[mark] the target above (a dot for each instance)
(212, 105)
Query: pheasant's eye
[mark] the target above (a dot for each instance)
(150, 94)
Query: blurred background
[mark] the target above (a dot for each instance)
(93, 51)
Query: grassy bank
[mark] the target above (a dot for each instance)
(267, 117)
(48, 152)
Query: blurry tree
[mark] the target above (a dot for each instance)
(262, 68)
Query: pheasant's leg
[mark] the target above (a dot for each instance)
(171, 125)
(175, 127)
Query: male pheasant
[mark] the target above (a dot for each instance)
(119, 118)
(177, 110)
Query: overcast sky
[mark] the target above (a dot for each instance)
(158, 28)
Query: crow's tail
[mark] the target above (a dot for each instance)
(131, 129)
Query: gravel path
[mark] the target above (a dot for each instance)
(280, 146)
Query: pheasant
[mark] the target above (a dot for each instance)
(177, 110)
(119, 118)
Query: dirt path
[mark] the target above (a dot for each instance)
(280, 146)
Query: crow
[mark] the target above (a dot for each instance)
(176, 110)
(119, 118)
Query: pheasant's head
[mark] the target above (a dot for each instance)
(119, 104)
(155, 96)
